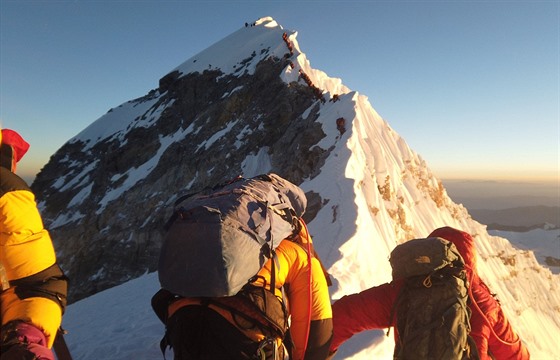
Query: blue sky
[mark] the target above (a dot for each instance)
(472, 86)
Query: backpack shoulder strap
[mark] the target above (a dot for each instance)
(160, 304)
(60, 347)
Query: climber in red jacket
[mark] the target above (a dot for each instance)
(490, 328)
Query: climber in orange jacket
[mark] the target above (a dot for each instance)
(490, 328)
(34, 288)
(205, 328)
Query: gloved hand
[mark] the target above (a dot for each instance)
(22, 341)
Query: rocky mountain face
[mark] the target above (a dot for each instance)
(111, 242)
(102, 249)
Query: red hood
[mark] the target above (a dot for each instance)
(12, 138)
(462, 240)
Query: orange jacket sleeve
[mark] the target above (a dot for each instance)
(292, 273)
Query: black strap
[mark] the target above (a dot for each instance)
(235, 312)
(163, 344)
(6, 156)
(160, 303)
(50, 283)
(60, 347)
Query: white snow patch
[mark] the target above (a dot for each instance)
(254, 165)
(116, 121)
(260, 40)
(545, 243)
(66, 218)
(134, 175)
(217, 136)
(81, 196)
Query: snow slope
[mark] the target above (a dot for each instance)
(544, 243)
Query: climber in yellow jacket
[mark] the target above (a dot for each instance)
(311, 318)
(34, 287)
(231, 328)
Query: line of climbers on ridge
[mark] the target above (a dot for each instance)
(302, 75)
(340, 122)
(288, 43)
(270, 300)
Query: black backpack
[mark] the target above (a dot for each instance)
(216, 241)
(253, 310)
(432, 313)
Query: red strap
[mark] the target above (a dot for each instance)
(486, 319)
(310, 278)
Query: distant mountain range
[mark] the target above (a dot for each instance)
(519, 219)
(497, 195)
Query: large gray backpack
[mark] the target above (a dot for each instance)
(432, 313)
(217, 241)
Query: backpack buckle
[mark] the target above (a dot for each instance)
(268, 350)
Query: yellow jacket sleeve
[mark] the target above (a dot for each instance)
(26, 249)
(25, 246)
(45, 314)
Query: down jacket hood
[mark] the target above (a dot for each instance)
(12, 138)
(463, 241)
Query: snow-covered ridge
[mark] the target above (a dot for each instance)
(116, 121)
(261, 40)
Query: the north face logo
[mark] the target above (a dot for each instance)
(423, 260)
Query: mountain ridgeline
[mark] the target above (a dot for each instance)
(249, 104)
